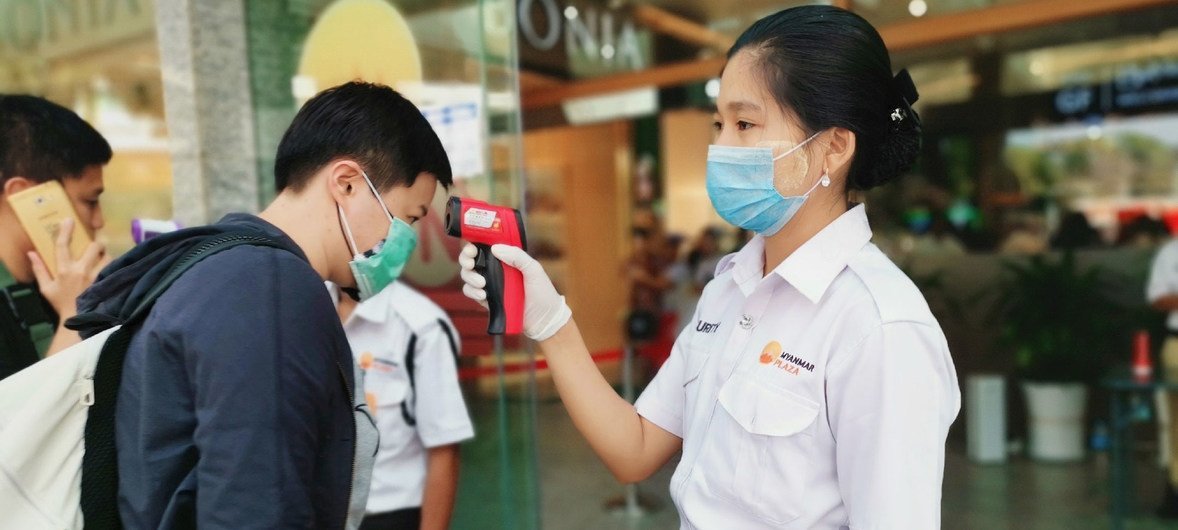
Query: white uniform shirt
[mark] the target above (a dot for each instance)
(1163, 279)
(817, 397)
(380, 331)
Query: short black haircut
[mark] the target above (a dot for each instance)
(42, 141)
(369, 123)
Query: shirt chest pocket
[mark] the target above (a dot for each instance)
(387, 390)
(771, 446)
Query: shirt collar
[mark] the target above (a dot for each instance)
(813, 266)
(375, 309)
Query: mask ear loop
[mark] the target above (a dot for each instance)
(347, 231)
(796, 147)
(377, 195)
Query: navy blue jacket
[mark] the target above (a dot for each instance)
(234, 409)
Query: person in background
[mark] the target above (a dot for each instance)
(646, 271)
(1026, 235)
(1074, 233)
(41, 141)
(704, 257)
(1144, 232)
(692, 273)
(681, 298)
(408, 350)
(929, 234)
(1162, 295)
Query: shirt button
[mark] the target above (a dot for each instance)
(746, 322)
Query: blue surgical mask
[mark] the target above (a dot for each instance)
(740, 184)
(379, 267)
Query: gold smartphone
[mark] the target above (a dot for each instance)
(41, 209)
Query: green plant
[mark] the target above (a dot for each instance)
(1058, 319)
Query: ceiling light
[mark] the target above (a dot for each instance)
(712, 88)
(918, 8)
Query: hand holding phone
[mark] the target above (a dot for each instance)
(66, 260)
(71, 277)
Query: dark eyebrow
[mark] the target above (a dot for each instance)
(738, 106)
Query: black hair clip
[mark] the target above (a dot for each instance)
(908, 96)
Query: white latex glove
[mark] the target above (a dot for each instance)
(545, 311)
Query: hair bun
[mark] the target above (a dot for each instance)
(896, 155)
(901, 143)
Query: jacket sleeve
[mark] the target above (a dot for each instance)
(259, 359)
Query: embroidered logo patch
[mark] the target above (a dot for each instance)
(773, 355)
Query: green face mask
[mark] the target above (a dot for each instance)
(378, 268)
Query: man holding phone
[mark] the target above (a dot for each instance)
(42, 142)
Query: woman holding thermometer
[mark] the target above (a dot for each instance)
(814, 388)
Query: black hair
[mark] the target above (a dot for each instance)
(42, 141)
(830, 68)
(1075, 232)
(369, 123)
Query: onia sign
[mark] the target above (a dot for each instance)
(59, 27)
(602, 38)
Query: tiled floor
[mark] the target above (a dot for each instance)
(573, 486)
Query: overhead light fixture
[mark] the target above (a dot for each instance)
(918, 8)
(712, 88)
(570, 12)
(1037, 67)
(609, 107)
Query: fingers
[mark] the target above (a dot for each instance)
(40, 271)
(99, 267)
(474, 293)
(467, 257)
(513, 256)
(93, 254)
(478, 295)
(472, 278)
(65, 232)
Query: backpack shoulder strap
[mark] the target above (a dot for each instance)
(203, 250)
(100, 473)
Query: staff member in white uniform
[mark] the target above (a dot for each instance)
(408, 350)
(1162, 295)
(815, 388)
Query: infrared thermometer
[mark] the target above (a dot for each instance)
(484, 225)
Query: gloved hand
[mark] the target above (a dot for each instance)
(545, 311)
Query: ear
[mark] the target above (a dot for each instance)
(343, 178)
(840, 150)
(16, 185)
